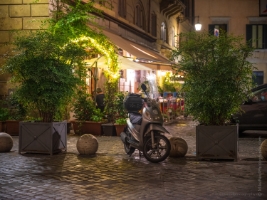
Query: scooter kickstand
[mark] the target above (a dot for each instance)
(140, 154)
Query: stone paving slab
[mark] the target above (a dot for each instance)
(111, 174)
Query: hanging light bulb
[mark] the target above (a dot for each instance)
(198, 26)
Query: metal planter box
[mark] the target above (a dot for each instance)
(41, 137)
(109, 129)
(217, 142)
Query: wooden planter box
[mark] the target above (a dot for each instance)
(217, 142)
(119, 128)
(87, 127)
(2, 126)
(41, 137)
(12, 127)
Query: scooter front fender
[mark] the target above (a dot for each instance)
(156, 127)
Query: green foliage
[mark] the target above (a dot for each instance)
(217, 75)
(110, 100)
(17, 111)
(85, 109)
(121, 121)
(120, 111)
(97, 115)
(169, 85)
(43, 67)
(4, 114)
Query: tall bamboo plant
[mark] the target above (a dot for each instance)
(217, 75)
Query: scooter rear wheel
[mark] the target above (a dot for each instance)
(160, 152)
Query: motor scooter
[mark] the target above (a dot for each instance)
(145, 131)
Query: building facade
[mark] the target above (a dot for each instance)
(247, 18)
(143, 30)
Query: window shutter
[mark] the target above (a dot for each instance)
(249, 34)
(154, 25)
(264, 39)
(211, 29)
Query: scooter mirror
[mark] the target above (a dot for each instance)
(143, 86)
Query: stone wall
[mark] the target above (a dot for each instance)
(18, 15)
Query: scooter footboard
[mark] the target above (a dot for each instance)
(156, 127)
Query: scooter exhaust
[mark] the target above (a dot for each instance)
(123, 137)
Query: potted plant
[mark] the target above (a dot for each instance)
(88, 117)
(120, 125)
(44, 73)
(121, 114)
(217, 81)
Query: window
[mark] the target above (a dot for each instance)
(154, 24)
(173, 37)
(258, 77)
(256, 34)
(122, 8)
(163, 32)
(139, 16)
(216, 28)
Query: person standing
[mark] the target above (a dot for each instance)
(100, 99)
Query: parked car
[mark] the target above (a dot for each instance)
(254, 116)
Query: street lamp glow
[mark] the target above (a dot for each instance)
(198, 26)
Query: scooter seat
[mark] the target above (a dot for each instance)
(135, 118)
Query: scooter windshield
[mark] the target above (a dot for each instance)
(153, 88)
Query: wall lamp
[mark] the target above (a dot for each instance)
(198, 26)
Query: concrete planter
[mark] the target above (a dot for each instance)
(41, 137)
(217, 142)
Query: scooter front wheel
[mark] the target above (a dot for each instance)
(160, 151)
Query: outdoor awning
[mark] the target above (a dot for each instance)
(158, 66)
(140, 52)
(124, 63)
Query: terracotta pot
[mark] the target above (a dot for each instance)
(12, 127)
(87, 127)
(2, 126)
(119, 128)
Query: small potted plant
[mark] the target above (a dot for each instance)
(121, 114)
(120, 125)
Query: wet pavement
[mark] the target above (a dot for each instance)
(111, 174)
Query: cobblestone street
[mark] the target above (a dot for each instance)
(111, 174)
